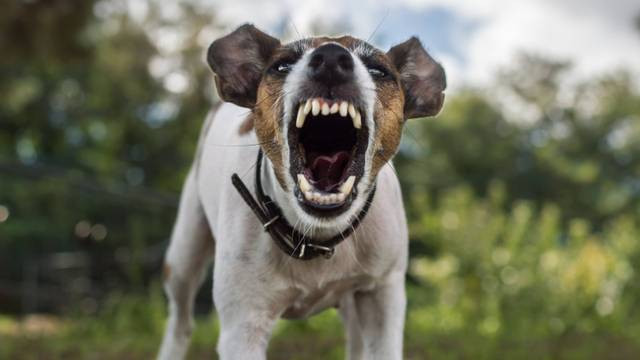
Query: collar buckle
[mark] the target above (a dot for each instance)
(326, 251)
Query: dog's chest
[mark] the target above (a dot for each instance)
(308, 300)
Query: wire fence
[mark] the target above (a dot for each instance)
(86, 271)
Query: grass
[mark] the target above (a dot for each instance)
(130, 327)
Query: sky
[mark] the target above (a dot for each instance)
(472, 39)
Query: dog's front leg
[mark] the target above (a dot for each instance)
(244, 333)
(381, 314)
(349, 315)
(247, 308)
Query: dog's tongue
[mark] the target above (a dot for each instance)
(327, 170)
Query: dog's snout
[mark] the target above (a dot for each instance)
(331, 64)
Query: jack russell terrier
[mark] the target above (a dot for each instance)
(311, 129)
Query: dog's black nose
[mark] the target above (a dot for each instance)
(331, 64)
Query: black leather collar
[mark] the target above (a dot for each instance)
(288, 239)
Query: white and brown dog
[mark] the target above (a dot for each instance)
(328, 115)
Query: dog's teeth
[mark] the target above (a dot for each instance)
(300, 118)
(352, 111)
(324, 199)
(315, 107)
(334, 108)
(357, 120)
(307, 107)
(325, 109)
(346, 187)
(344, 108)
(303, 184)
(308, 195)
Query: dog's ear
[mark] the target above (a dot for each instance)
(238, 61)
(423, 79)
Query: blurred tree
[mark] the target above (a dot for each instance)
(99, 116)
(579, 151)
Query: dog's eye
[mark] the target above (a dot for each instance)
(282, 67)
(377, 72)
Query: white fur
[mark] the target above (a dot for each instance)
(254, 282)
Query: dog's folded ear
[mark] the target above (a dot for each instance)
(423, 79)
(238, 61)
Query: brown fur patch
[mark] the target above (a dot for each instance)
(267, 123)
(389, 120)
(346, 41)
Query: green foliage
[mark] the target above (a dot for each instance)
(579, 149)
(507, 276)
(92, 132)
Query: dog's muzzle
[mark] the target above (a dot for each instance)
(328, 136)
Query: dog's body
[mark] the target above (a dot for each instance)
(255, 283)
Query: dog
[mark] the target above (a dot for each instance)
(292, 194)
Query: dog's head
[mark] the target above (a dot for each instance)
(328, 112)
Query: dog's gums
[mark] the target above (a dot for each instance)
(329, 142)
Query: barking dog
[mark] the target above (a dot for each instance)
(313, 217)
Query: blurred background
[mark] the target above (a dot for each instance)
(523, 195)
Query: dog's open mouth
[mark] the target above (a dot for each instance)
(327, 141)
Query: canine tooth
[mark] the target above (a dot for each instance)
(300, 118)
(357, 121)
(352, 110)
(315, 107)
(325, 109)
(344, 108)
(307, 106)
(334, 108)
(346, 187)
(341, 197)
(303, 183)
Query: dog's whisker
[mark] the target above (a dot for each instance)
(295, 28)
(378, 26)
(268, 97)
(251, 167)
